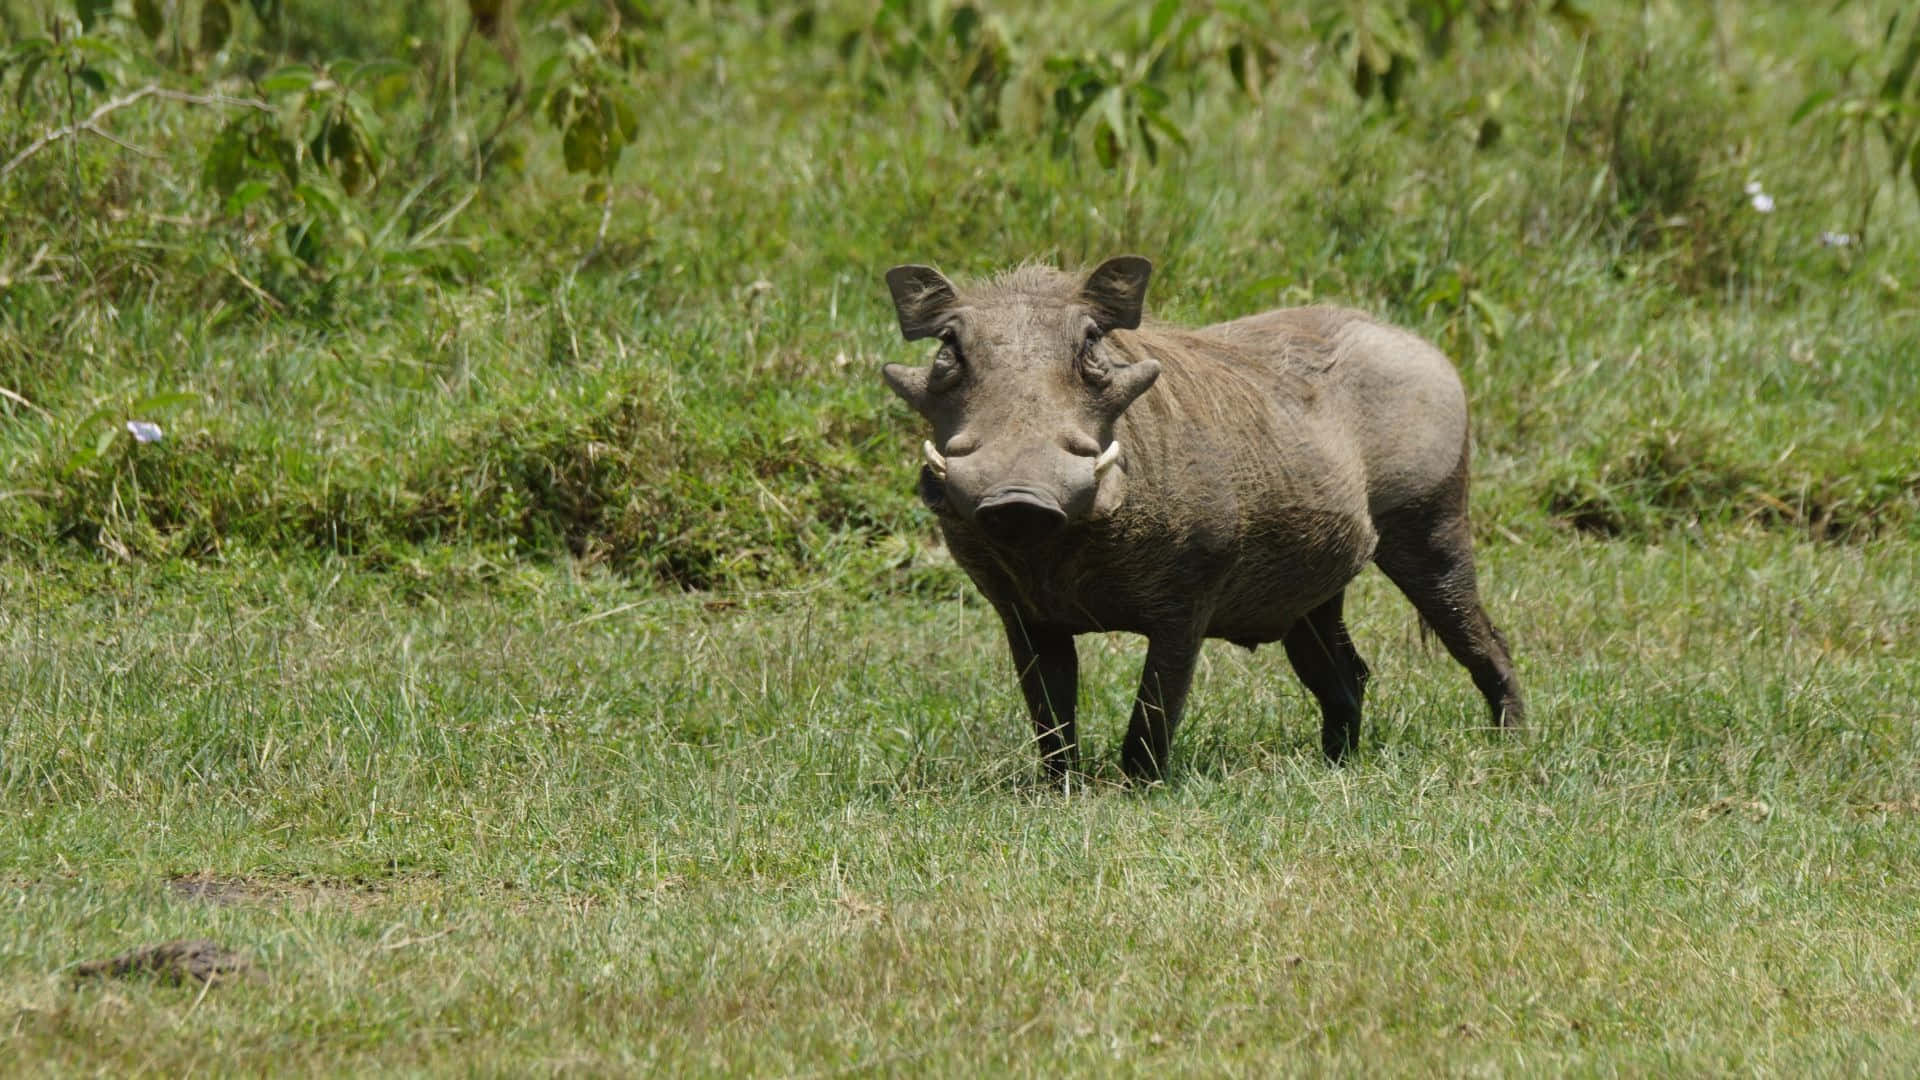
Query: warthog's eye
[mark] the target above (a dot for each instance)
(1090, 361)
(947, 364)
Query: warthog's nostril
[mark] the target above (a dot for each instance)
(1016, 518)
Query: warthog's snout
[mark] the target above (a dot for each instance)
(1018, 517)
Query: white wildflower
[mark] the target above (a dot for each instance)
(1754, 188)
(143, 430)
(1835, 239)
(1763, 202)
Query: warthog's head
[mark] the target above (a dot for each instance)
(1024, 393)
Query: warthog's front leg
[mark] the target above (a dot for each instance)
(1049, 670)
(1156, 709)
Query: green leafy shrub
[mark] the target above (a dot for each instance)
(1885, 110)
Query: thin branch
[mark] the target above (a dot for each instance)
(600, 238)
(441, 222)
(248, 283)
(19, 400)
(120, 142)
(91, 123)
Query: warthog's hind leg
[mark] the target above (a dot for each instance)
(1164, 681)
(1429, 555)
(1323, 656)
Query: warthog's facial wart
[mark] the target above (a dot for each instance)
(1023, 397)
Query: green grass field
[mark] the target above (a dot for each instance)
(524, 644)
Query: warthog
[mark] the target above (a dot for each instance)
(1092, 474)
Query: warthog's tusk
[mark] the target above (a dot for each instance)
(1107, 457)
(934, 460)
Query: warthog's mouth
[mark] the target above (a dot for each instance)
(1016, 517)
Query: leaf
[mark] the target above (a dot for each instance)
(1106, 147)
(374, 70)
(364, 119)
(800, 25)
(99, 48)
(290, 78)
(1809, 104)
(1395, 77)
(102, 415)
(1492, 314)
(27, 73)
(629, 123)
(1598, 184)
(317, 200)
(580, 144)
(1162, 16)
(91, 10)
(486, 16)
(92, 77)
(342, 147)
(147, 14)
(1166, 127)
(104, 442)
(1489, 135)
(225, 165)
(247, 194)
(1894, 87)
(1571, 13)
(560, 107)
(510, 154)
(1242, 77)
(161, 402)
(1446, 290)
(280, 150)
(216, 24)
(303, 242)
(1187, 28)
(612, 132)
(963, 24)
(1113, 105)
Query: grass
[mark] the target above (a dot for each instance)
(794, 834)
(525, 645)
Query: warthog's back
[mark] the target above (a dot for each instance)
(1396, 400)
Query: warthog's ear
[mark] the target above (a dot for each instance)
(1116, 290)
(920, 295)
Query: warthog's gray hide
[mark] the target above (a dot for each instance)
(1093, 474)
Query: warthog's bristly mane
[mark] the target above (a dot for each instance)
(1028, 281)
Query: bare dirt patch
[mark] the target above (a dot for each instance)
(299, 893)
(174, 962)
